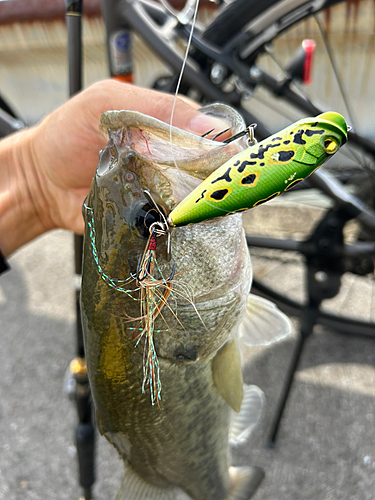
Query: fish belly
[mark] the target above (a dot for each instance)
(184, 443)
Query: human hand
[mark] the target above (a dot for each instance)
(57, 159)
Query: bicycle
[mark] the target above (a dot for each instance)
(223, 65)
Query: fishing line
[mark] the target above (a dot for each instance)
(180, 79)
(251, 127)
(176, 94)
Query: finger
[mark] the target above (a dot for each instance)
(218, 125)
(189, 101)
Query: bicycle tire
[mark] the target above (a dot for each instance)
(341, 323)
(336, 322)
(231, 18)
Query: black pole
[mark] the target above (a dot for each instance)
(85, 432)
(308, 321)
(9, 124)
(73, 15)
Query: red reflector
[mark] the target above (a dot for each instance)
(308, 47)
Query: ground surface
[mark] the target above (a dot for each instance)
(325, 449)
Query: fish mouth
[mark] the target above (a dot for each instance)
(169, 169)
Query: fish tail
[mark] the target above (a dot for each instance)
(133, 487)
(245, 482)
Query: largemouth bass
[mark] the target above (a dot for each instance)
(180, 443)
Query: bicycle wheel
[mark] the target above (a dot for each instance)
(268, 33)
(342, 74)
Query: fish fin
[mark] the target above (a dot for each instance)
(133, 487)
(227, 374)
(245, 482)
(243, 423)
(98, 422)
(263, 323)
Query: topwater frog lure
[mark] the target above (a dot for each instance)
(264, 170)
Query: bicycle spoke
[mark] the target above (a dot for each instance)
(361, 162)
(367, 67)
(335, 70)
(273, 108)
(298, 87)
(329, 50)
(371, 307)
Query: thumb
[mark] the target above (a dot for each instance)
(160, 105)
(186, 115)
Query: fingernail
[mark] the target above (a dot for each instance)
(201, 124)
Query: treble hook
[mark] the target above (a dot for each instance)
(172, 274)
(164, 227)
(146, 269)
(249, 131)
(206, 133)
(220, 133)
(217, 135)
(136, 275)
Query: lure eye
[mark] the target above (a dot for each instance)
(330, 145)
(146, 216)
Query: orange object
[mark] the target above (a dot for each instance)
(124, 78)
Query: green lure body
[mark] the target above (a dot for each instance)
(264, 170)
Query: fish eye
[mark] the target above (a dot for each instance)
(330, 145)
(146, 216)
